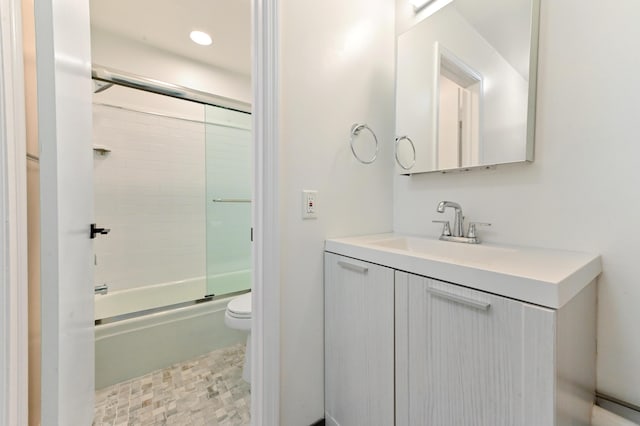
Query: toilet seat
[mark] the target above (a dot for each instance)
(240, 307)
(238, 313)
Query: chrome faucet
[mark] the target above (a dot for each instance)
(457, 220)
(457, 234)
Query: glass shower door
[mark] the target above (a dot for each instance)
(228, 211)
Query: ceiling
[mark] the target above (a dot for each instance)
(166, 24)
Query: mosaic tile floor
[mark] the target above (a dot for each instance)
(207, 390)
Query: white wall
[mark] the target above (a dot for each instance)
(124, 54)
(582, 191)
(336, 68)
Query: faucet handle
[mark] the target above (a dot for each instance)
(471, 233)
(446, 229)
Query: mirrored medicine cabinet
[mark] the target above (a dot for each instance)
(465, 88)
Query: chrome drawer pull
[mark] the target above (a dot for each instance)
(459, 299)
(353, 266)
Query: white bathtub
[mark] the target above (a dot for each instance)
(135, 346)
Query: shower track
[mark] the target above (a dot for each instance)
(122, 78)
(144, 312)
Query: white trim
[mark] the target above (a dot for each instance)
(265, 389)
(13, 215)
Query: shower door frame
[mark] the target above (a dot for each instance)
(134, 81)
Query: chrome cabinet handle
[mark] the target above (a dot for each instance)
(459, 299)
(353, 266)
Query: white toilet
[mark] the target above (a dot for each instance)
(238, 316)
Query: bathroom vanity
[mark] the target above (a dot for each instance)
(426, 332)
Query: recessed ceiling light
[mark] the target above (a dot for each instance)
(201, 38)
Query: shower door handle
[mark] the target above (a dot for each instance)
(94, 230)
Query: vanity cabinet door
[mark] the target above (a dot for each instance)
(465, 357)
(359, 377)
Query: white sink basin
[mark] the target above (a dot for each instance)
(544, 277)
(458, 252)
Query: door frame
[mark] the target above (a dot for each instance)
(13, 216)
(266, 250)
(265, 337)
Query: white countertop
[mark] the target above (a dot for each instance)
(541, 276)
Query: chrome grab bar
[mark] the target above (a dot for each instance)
(231, 200)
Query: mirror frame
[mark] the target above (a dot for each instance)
(531, 101)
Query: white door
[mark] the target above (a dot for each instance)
(63, 57)
(448, 125)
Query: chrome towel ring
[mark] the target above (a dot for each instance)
(413, 148)
(355, 131)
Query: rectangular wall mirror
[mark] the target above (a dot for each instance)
(466, 84)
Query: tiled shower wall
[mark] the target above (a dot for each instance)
(150, 191)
